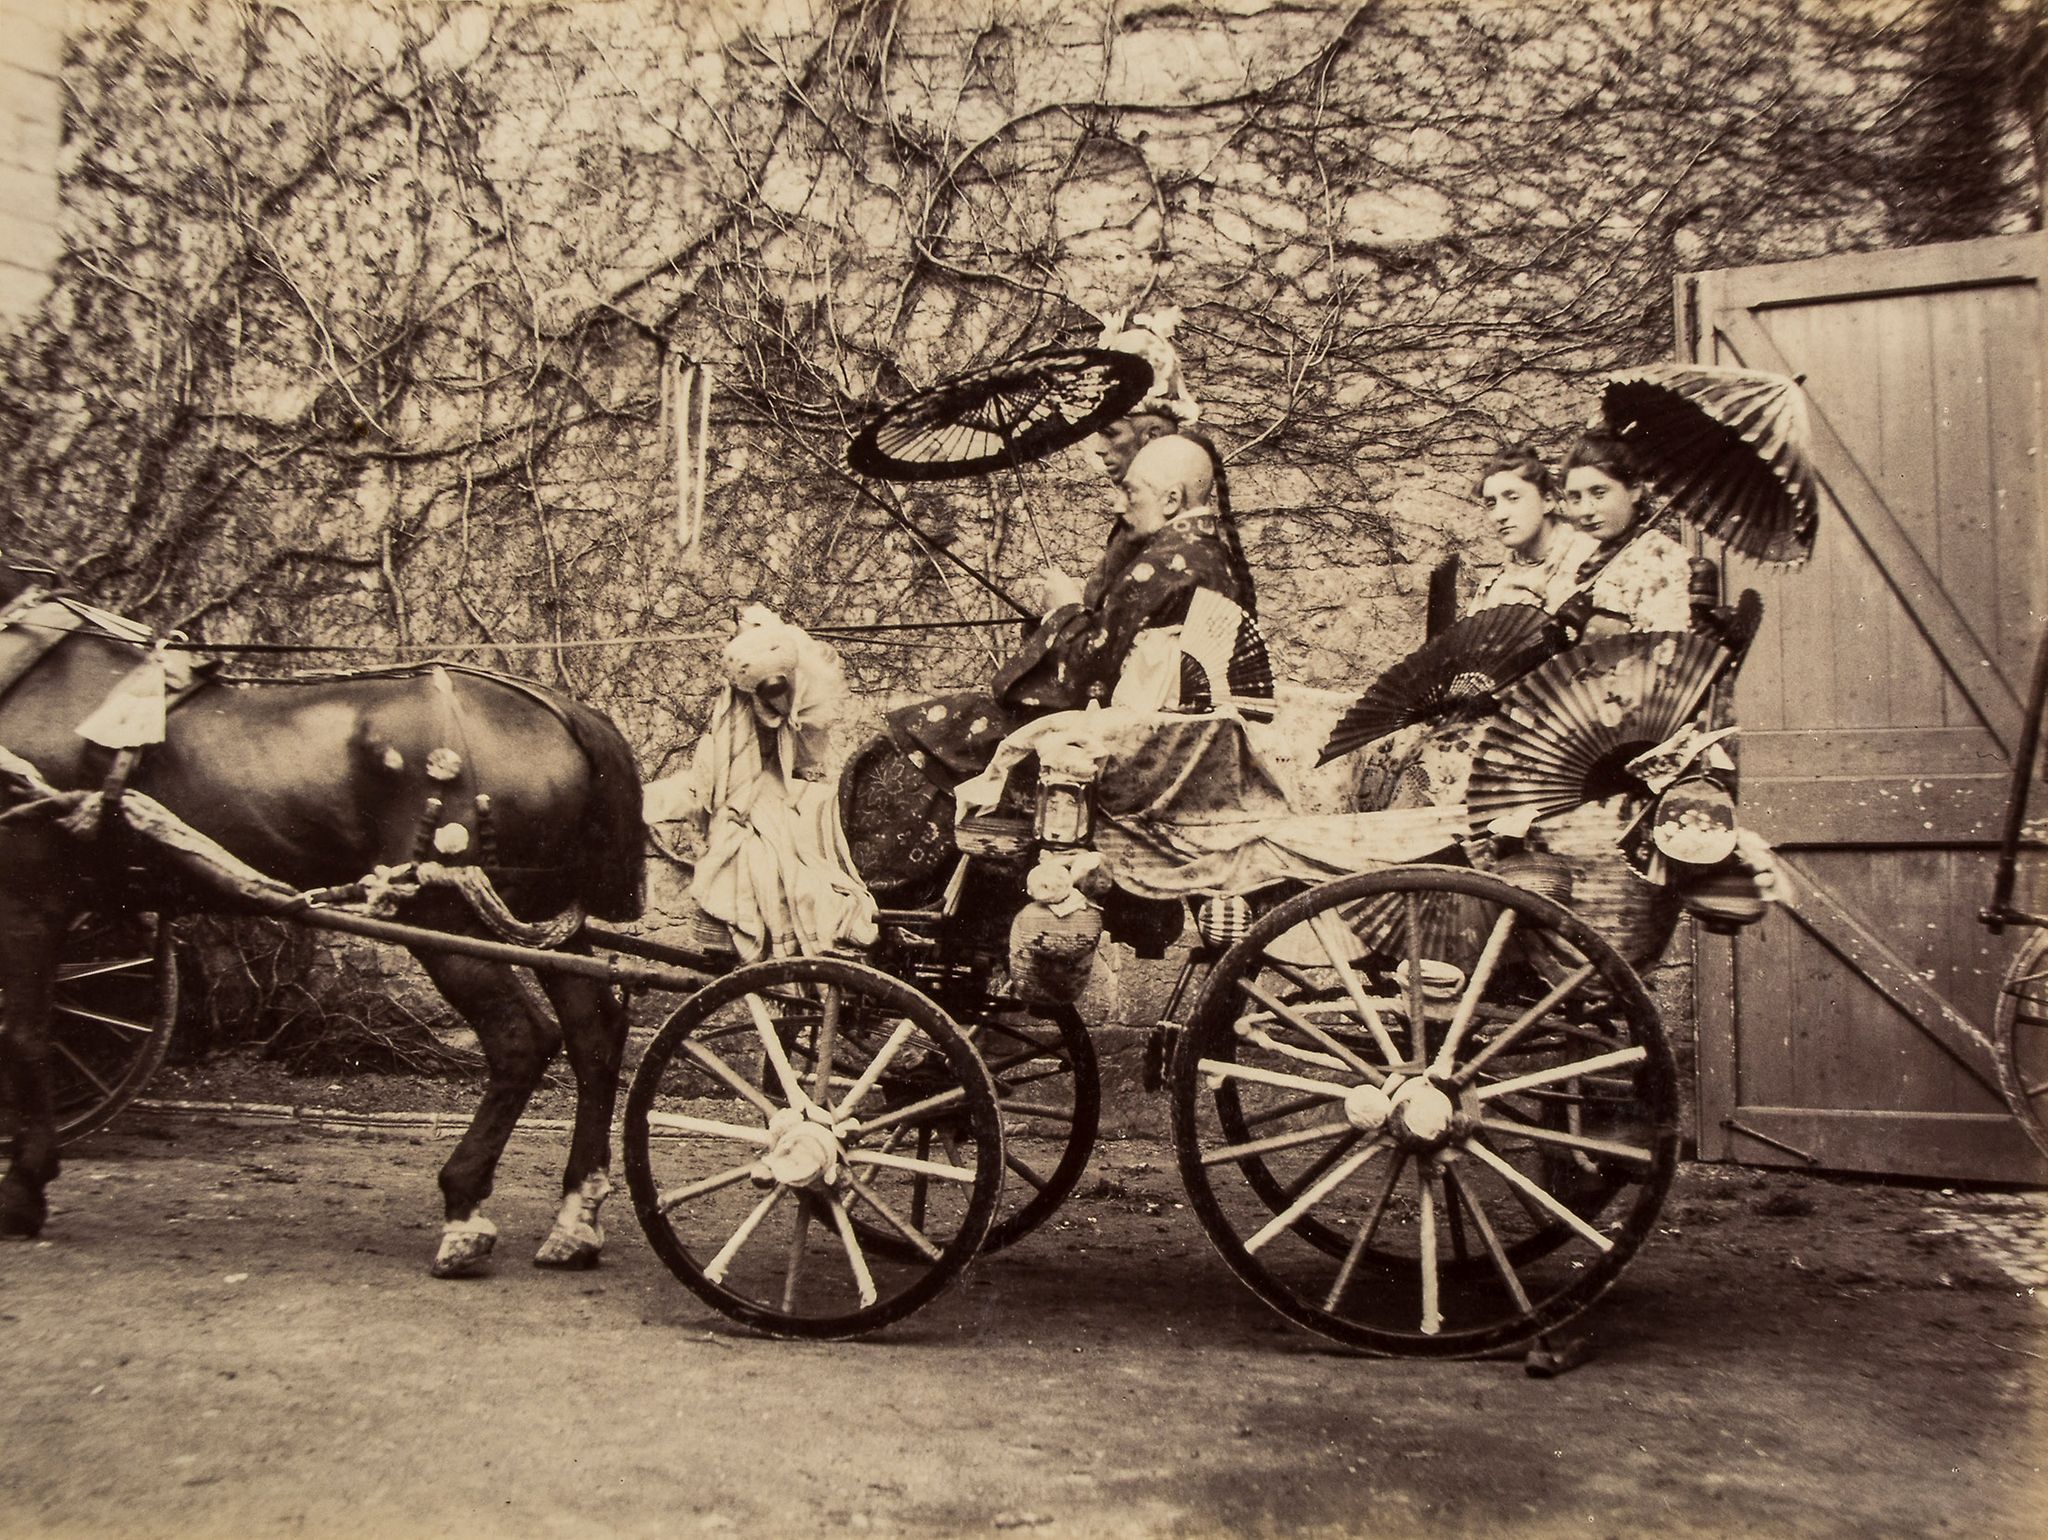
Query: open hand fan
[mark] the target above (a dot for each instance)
(1564, 733)
(1468, 661)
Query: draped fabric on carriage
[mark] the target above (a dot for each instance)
(775, 870)
(1190, 804)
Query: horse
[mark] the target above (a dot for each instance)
(318, 781)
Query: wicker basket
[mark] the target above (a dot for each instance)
(1051, 954)
(698, 931)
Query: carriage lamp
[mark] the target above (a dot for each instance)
(1065, 815)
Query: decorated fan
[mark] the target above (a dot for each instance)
(1002, 416)
(1564, 734)
(1469, 661)
(1727, 447)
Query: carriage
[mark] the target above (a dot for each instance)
(1420, 1107)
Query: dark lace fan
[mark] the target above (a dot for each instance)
(1563, 734)
(1469, 661)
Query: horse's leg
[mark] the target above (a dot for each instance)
(594, 1033)
(28, 949)
(518, 1041)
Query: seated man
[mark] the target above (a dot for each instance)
(1175, 542)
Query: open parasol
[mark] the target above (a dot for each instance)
(1727, 447)
(1469, 661)
(1004, 415)
(1564, 733)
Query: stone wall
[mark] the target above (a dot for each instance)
(31, 109)
(366, 309)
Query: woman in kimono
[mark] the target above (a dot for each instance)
(1544, 551)
(1429, 764)
(1638, 578)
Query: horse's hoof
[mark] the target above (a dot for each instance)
(22, 1212)
(465, 1248)
(577, 1237)
(566, 1252)
(570, 1248)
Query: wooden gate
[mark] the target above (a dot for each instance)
(1879, 708)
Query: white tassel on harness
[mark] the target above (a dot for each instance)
(689, 395)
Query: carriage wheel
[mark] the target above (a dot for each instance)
(1421, 1156)
(784, 1115)
(116, 999)
(2023, 1036)
(1050, 1093)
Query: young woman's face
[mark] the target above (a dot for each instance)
(1600, 505)
(1518, 509)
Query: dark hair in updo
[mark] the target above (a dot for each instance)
(1517, 460)
(1233, 546)
(1608, 453)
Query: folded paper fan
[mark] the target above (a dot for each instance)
(1469, 661)
(1727, 448)
(1564, 733)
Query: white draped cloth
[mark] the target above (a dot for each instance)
(775, 869)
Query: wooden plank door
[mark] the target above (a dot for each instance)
(1879, 708)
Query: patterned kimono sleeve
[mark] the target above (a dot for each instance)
(1077, 654)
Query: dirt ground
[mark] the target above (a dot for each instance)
(228, 1331)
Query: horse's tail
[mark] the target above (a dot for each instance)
(611, 876)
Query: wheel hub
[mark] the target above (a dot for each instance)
(801, 1153)
(1423, 1117)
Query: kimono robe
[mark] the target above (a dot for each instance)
(1078, 652)
(1645, 587)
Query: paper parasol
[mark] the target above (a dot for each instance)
(1564, 733)
(1468, 661)
(1001, 416)
(1727, 447)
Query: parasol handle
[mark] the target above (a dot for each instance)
(904, 522)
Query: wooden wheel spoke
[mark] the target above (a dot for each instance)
(71, 973)
(1017, 1165)
(778, 1056)
(895, 1221)
(80, 1065)
(1584, 1142)
(1425, 1251)
(686, 1123)
(1225, 1069)
(932, 1168)
(856, 1259)
(793, 1268)
(1344, 1057)
(1538, 1195)
(1328, 1183)
(1321, 923)
(1508, 1035)
(1475, 987)
(1367, 1228)
(1557, 1072)
(1322, 1163)
(125, 1024)
(1021, 1109)
(914, 1112)
(718, 1069)
(883, 1057)
(714, 1270)
(1488, 1238)
(671, 1201)
(1274, 1142)
(828, 1043)
(1286, 1109)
